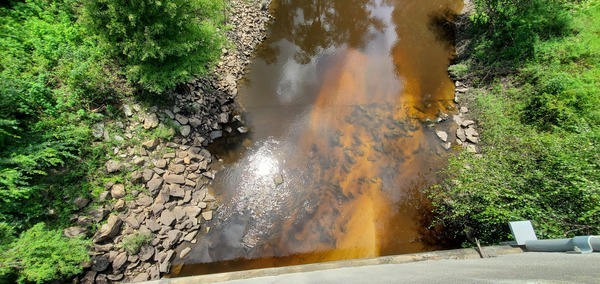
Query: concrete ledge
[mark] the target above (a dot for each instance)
(490, 251)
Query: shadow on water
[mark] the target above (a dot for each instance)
(340, 148)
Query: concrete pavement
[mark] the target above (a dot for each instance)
(507, 265)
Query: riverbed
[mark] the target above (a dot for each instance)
(342, 101)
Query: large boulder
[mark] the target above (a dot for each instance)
(108, 230)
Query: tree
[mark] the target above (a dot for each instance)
(159, 43)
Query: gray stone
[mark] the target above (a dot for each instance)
(216, 134)
(155, 184)
(147, 175)
(185, 130)
(119, 261)
(127, 110)
(460, 134)
(447, 145)
(115, 277)
(101, 279)
(190, 236)
(98, 130)
(442, 135)
(132, 222)
(161, 163)
(144, 200)
(178, 169)
(117, 191)
(100, 263)
(81, 202)
(466, 123)
(471, 132)
(146, 253)
(73, 232)
(242, 129)
(98, 214)
(278, 180)
(152, 225)
(176, 191)
(166, 218)
(89, 277)
(181, 119)
(151, 121)
(119, 205)
(173, 237)
(176, 179)
(464, 109)
(207, 215)
(185, 252)
(165, 263)
(109, 230)
(113, 166)
(224, 117)
(141, 277)
(150, 144)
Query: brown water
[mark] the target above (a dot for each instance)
(338, 100)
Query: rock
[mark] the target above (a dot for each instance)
(151, 121)
(89, 277)
(192, 211)
(115, 277)
(141, 277)
(165, 263)
(98, 214)
(101, 279)
(185, 252)
(278, 180)
(173, 237)
(447, 145)
(155, 184)
(462, 89)
(195, 123)
(464, 109)
(466, 123)
(136, 177)
(109, 230)
(119, 261)
(176, 179)
(178, 169)
(473, 139)
(176, 191)
(460, 134)
(442, 135)
(181, 119)
(179, 213)
(144, 200)
(73, 232)
(185, 130)
(224, 117)
(150, 144)
(146, 253)
(119, 205)
(81, 202)
(147, 175)
(190, 236)
(242, 129)
(117, 191)
(161, 163)
(471, 132)
(132, 222)
(457, 119)
(113, 166)
(166, 218)
(98, 130)
(471, 148)
(216, 134)
(127, 110)
(154, 273)
(100, 263)
(152, 225)
(208, 215)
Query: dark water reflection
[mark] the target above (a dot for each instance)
(336, 101)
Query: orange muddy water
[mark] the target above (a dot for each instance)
(339, 100)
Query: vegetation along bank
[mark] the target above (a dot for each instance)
(532, 68)
(107, 109)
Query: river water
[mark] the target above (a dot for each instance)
(339, 100)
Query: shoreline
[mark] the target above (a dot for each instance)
(166, 199)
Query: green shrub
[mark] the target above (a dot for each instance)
(160, 44)
(40, 255)
(133, 243)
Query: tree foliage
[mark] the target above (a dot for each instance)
(41, 255)
(160, 43)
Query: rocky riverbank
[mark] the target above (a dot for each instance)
(157, 196)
